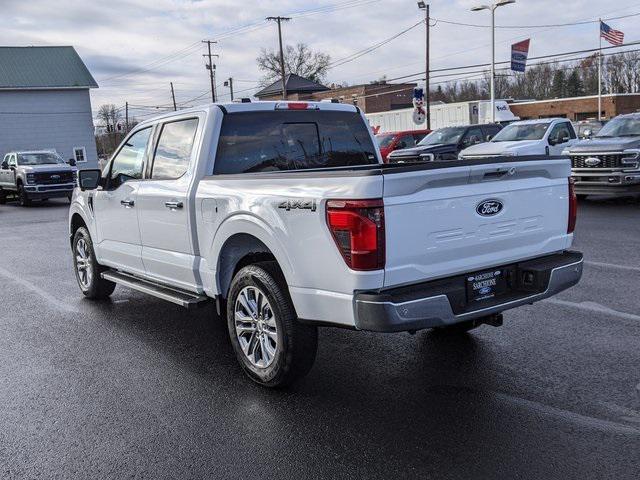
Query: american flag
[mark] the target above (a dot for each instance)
(614, 37)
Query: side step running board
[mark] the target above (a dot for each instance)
(173, 295)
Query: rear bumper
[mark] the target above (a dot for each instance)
(442, 302)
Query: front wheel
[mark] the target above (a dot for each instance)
(273, 348)
(88, 269)
(23, 196)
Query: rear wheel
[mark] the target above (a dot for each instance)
(23, 196)
(88, 269)
(273, 348)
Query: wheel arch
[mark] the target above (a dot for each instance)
(238, 251)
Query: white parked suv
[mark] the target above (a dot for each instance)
(546, 136)
(285, 215)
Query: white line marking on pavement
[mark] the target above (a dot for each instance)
(594, 307)
(592, 422)
(37, 290)
(613, 265)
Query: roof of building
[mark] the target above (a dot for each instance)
(294, 83)
(571, 99)
(43, 68)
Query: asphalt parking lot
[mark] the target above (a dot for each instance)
(136, 387)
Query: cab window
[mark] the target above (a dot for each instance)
(173, 153)
(560, 131)
(473, 136)
(129, 161)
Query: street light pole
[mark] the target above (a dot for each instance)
(493, 7)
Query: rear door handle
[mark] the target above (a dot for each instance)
(173, 205)
(127, 203)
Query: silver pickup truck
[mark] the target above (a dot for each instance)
(37, 175)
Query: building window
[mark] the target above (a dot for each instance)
(80, 154)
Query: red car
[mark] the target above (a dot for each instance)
(390, 141)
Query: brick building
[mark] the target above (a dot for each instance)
(578, 108)
(370, 97)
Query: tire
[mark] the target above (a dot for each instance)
(279, 349)
(3, 197)
(23, 196)
(458, 328)
(87, 268)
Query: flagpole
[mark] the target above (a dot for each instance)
(600, 71)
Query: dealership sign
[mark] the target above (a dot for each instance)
(519, 53)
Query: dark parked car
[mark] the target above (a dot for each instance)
(445, 143)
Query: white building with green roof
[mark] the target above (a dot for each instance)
(45, 103)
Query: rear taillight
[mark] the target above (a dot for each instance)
(573, 207)
(357, 227)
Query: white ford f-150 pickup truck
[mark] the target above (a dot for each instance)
(544, 136)
(284, 213)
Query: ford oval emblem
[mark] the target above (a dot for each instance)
(488, 208)
(592, 162)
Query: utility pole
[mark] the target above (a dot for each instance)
(126, 117)
(211, 67)
(284, 83)
(425, 6)
(173, 97)
(229, 83)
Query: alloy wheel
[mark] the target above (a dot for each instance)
(83, 263)
(256, 327)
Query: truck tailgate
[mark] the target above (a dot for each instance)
(438, 224)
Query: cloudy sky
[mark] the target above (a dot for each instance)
(134, 48)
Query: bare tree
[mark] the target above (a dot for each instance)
(300, 60)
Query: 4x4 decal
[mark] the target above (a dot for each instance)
(289, 205)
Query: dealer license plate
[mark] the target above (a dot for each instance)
(486, 285)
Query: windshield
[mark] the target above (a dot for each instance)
(621, 127)
(384, 139)
(38, 159)
(526, 131)
(443, 135)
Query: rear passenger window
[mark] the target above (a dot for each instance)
(292, 140)
(173, 153)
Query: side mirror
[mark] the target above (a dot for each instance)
(72, 162)
(4, 166)
(588, 133)
(553, 141)
(489, 137)
(89, 179)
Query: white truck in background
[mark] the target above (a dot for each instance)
(442, 115)
(543, 136)
(284, 214)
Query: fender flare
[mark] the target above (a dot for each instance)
(247, 224)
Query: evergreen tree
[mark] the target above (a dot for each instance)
(558, 85)
(575, 87)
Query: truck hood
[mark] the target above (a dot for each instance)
(522, 147)
(605, 144)
(415, 151)
(59, 167)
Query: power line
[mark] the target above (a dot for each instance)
(360, 53)
(463, 67)
(551, 25)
